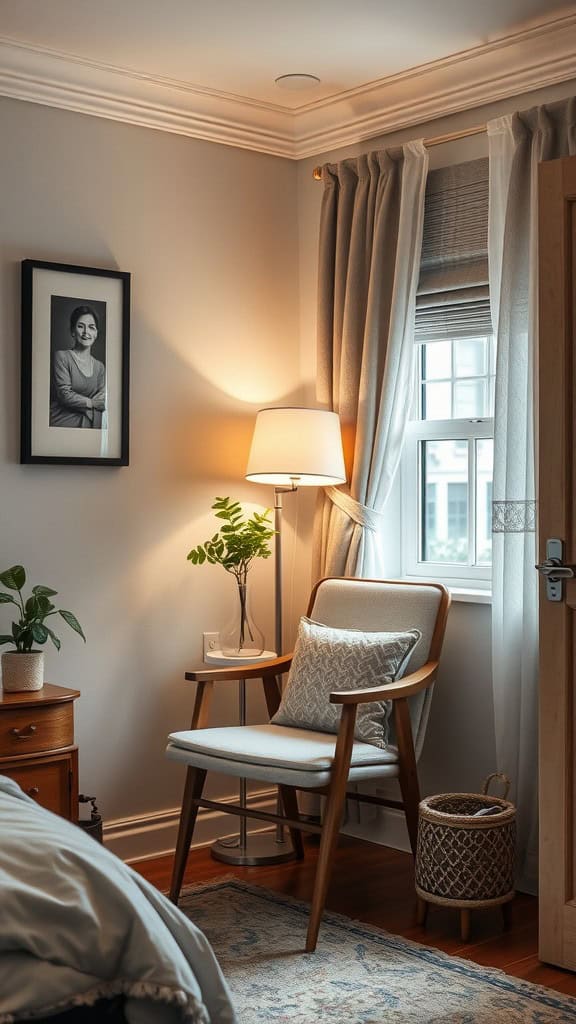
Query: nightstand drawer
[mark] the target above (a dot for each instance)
(47, 782)
(31, 730)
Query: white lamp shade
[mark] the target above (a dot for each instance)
(300, 446)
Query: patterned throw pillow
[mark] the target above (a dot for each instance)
(327, 659)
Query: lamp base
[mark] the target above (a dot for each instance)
(259, 848)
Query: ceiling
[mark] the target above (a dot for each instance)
(216, 61)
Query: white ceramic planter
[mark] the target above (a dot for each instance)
(22, 671)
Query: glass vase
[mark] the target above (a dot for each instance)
(241, 637)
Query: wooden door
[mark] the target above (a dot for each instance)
(557, 519)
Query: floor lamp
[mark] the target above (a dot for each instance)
(292, 448)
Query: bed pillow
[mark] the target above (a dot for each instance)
(327, 659)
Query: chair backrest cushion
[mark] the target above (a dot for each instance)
(328, 658)
(386, 605)
(380, 605)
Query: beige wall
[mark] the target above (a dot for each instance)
(208, 233)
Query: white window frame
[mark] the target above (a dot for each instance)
(412, 508)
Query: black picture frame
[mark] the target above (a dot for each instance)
(75, 370)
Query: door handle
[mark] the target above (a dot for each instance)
(554, 570)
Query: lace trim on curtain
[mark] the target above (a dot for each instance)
(364, 516)
(513, 517)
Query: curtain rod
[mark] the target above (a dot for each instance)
(436, 140)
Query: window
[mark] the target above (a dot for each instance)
(447, 463)
(430, 522)
(447, 460)
(458, 517)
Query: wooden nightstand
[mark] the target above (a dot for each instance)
(37, 746)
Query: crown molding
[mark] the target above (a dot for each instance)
(534, 58)
(54, 79)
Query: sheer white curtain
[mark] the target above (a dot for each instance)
(517, 143)
(369, 260)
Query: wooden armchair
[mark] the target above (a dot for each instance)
(320, 762)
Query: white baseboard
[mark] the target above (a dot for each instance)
(389, 829)
(154, 835)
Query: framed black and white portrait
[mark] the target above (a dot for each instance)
(75, 364)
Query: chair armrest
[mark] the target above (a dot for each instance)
(405, 687)
(256, 670)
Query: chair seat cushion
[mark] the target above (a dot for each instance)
(256, 749)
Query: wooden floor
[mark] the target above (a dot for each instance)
(376, 885)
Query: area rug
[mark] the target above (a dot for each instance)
(358, 974)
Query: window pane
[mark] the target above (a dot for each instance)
(484, 461)
(445, 487)
(470, 357)
(492, 342)
(456, 379)
(437, 401)
(469, 399)
(437, 361)
(430, 512)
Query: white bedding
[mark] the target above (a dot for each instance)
(76, 925)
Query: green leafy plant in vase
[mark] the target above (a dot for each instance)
(23, 668)
(237, 543)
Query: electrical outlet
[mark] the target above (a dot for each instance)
(210, 642)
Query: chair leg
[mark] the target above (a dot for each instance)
(408, 774)
(192, 792)
(331, 822)
(291, 810)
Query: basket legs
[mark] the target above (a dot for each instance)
(507, 915)
(425, 900)
(421, 912)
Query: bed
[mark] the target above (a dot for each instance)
(83, 937)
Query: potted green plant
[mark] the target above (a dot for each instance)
(23, 668)
(237, 543)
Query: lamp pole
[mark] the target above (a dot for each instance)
(278, 633)
(278, 509)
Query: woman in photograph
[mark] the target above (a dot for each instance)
(78, 393)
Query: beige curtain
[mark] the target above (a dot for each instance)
(369, 260)
(518, 143)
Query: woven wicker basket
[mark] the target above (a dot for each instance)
(462, 860)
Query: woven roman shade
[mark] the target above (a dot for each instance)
(452, 298)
